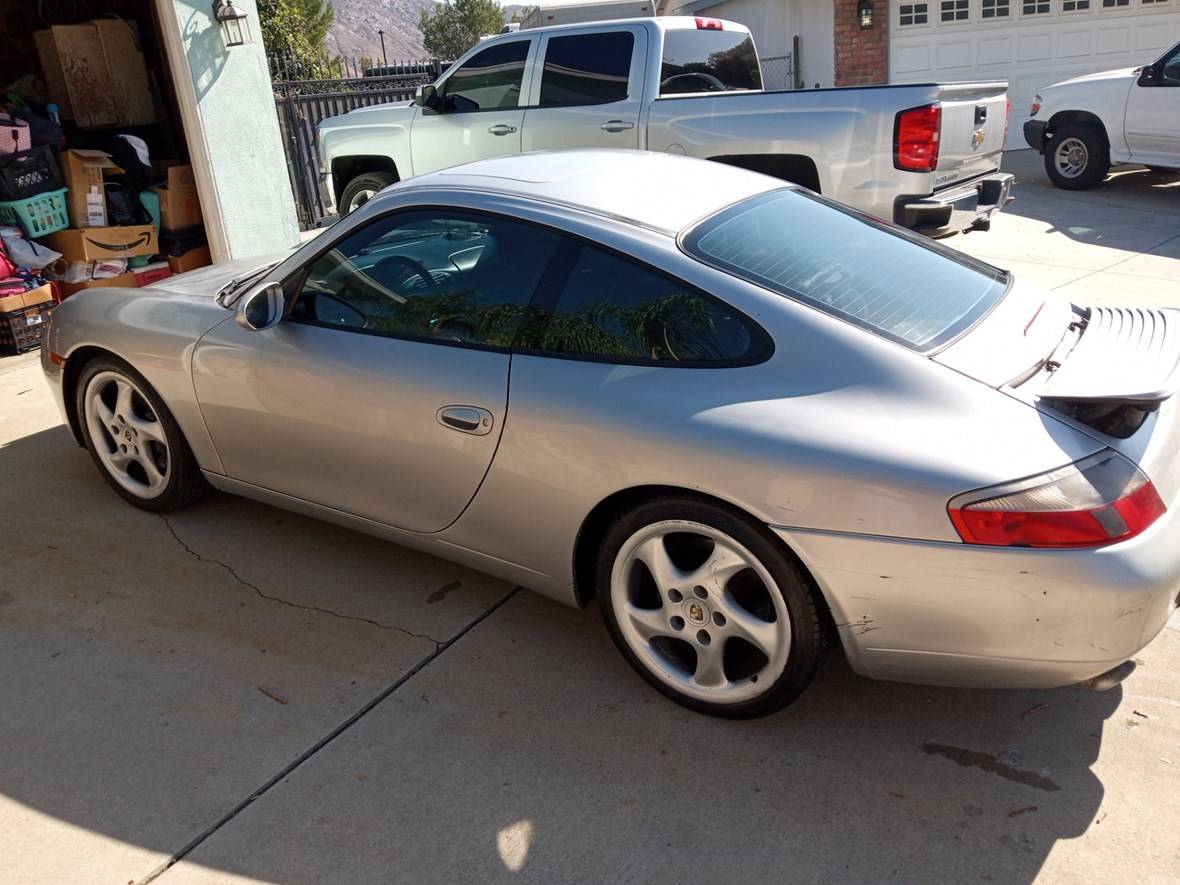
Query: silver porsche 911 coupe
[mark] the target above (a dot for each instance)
(747, 421)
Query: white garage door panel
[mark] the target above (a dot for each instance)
(1030, 51)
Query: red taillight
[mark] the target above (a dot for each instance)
(709, 24)
(57, 359)
(1099, 500)
(1007, 117)
(915, 138)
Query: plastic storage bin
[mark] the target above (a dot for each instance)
(39, 215)
(29, 173)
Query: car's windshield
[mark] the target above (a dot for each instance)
(708, 61)
(895, 284)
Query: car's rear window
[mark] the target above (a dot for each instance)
(708, 61)
(910, 290)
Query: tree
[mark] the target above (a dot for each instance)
(453, 28)
(296, 28)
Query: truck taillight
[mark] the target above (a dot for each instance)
(1007, 118)
(709, 24)
(915, 138)
(1099, 500)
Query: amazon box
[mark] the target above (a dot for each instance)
(97, 243)
(85, 173)
(180, 207)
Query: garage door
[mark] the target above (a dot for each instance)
(1031, 43)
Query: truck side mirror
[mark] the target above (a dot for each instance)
(1149, 76)
(427, 98)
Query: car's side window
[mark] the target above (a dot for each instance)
(489, 79)
(614, 308)
(437, 275)
(586, 69)
(1170, 69)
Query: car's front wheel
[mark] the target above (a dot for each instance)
(708, 609)
(1077, 157)
(133, 438)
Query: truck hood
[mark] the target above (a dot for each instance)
(1119, 74)
(397, 111)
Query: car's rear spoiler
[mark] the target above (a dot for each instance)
(1126, 356)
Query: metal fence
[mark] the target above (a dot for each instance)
(301, 104)
(778, 72)
(342, 67)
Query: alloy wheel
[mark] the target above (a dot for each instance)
(700, 611)
(127, 434)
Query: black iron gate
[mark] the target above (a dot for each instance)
(302, 104)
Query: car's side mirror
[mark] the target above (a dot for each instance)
(427, 98)
(260, 308)
(1149, 76)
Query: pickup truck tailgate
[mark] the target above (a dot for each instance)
(974, 122)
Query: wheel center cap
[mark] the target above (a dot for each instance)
(696, 613)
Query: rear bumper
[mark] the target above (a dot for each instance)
(1034, 134)
(958, 208)
(955, 614)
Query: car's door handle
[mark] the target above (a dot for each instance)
(617, 126)
(502, 129)
(466, 419)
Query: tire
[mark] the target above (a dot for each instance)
(1078, 157)
(741, 665)
(135, 443)
(361, 189)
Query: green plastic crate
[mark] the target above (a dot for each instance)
(39, 215)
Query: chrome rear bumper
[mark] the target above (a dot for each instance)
(960, 207)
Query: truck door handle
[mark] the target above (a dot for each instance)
(466, 419)
(502, 129)
(617, 126)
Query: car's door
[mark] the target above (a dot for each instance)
(588, 89)
(383, 392)
(1153, 112)
(479, 109)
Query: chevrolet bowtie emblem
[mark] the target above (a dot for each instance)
(977, 138)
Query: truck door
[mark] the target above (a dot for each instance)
(1153, 112)
(588, 89)
(480, 111)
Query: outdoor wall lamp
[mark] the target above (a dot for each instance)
(234, 29)
(864, 9)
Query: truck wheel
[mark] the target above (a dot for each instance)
(363, 188)
(1077, 158)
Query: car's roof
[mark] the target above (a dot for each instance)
(658, 191)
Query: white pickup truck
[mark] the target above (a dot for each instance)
(1085, 125)
(925, 156)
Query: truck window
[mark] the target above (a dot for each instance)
(911, 291)
(586, 69)
(489, 79)
(708, 61)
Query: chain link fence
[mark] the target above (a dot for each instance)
(778, 72)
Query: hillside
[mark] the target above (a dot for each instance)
(357, 23)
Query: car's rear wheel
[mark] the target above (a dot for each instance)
(1078, 157)
(362, 189)
(133, 438)
(709, 609)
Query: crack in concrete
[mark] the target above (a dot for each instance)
(270, 598)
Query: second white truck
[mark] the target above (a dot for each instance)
(924, 156)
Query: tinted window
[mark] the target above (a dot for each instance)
(586, 69)
(489, 79)
(613, 308)
(708, 61)
(914, 292)
(429, 275)
(1170, 67)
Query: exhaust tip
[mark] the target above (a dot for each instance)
(1108, 680)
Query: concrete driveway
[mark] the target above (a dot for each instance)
(235, 693)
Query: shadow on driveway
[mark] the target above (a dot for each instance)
(157, 673)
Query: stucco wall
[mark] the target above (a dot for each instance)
(813, 22)
(232, 131)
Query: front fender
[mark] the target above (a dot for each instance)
(155, 332)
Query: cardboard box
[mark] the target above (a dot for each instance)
(152, 273)
(126, 280)
(190, 260)
(95, 243)
(84, 173)
(180, 207)
(96, 73)
(31, 298)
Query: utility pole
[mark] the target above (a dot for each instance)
(384, 60)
